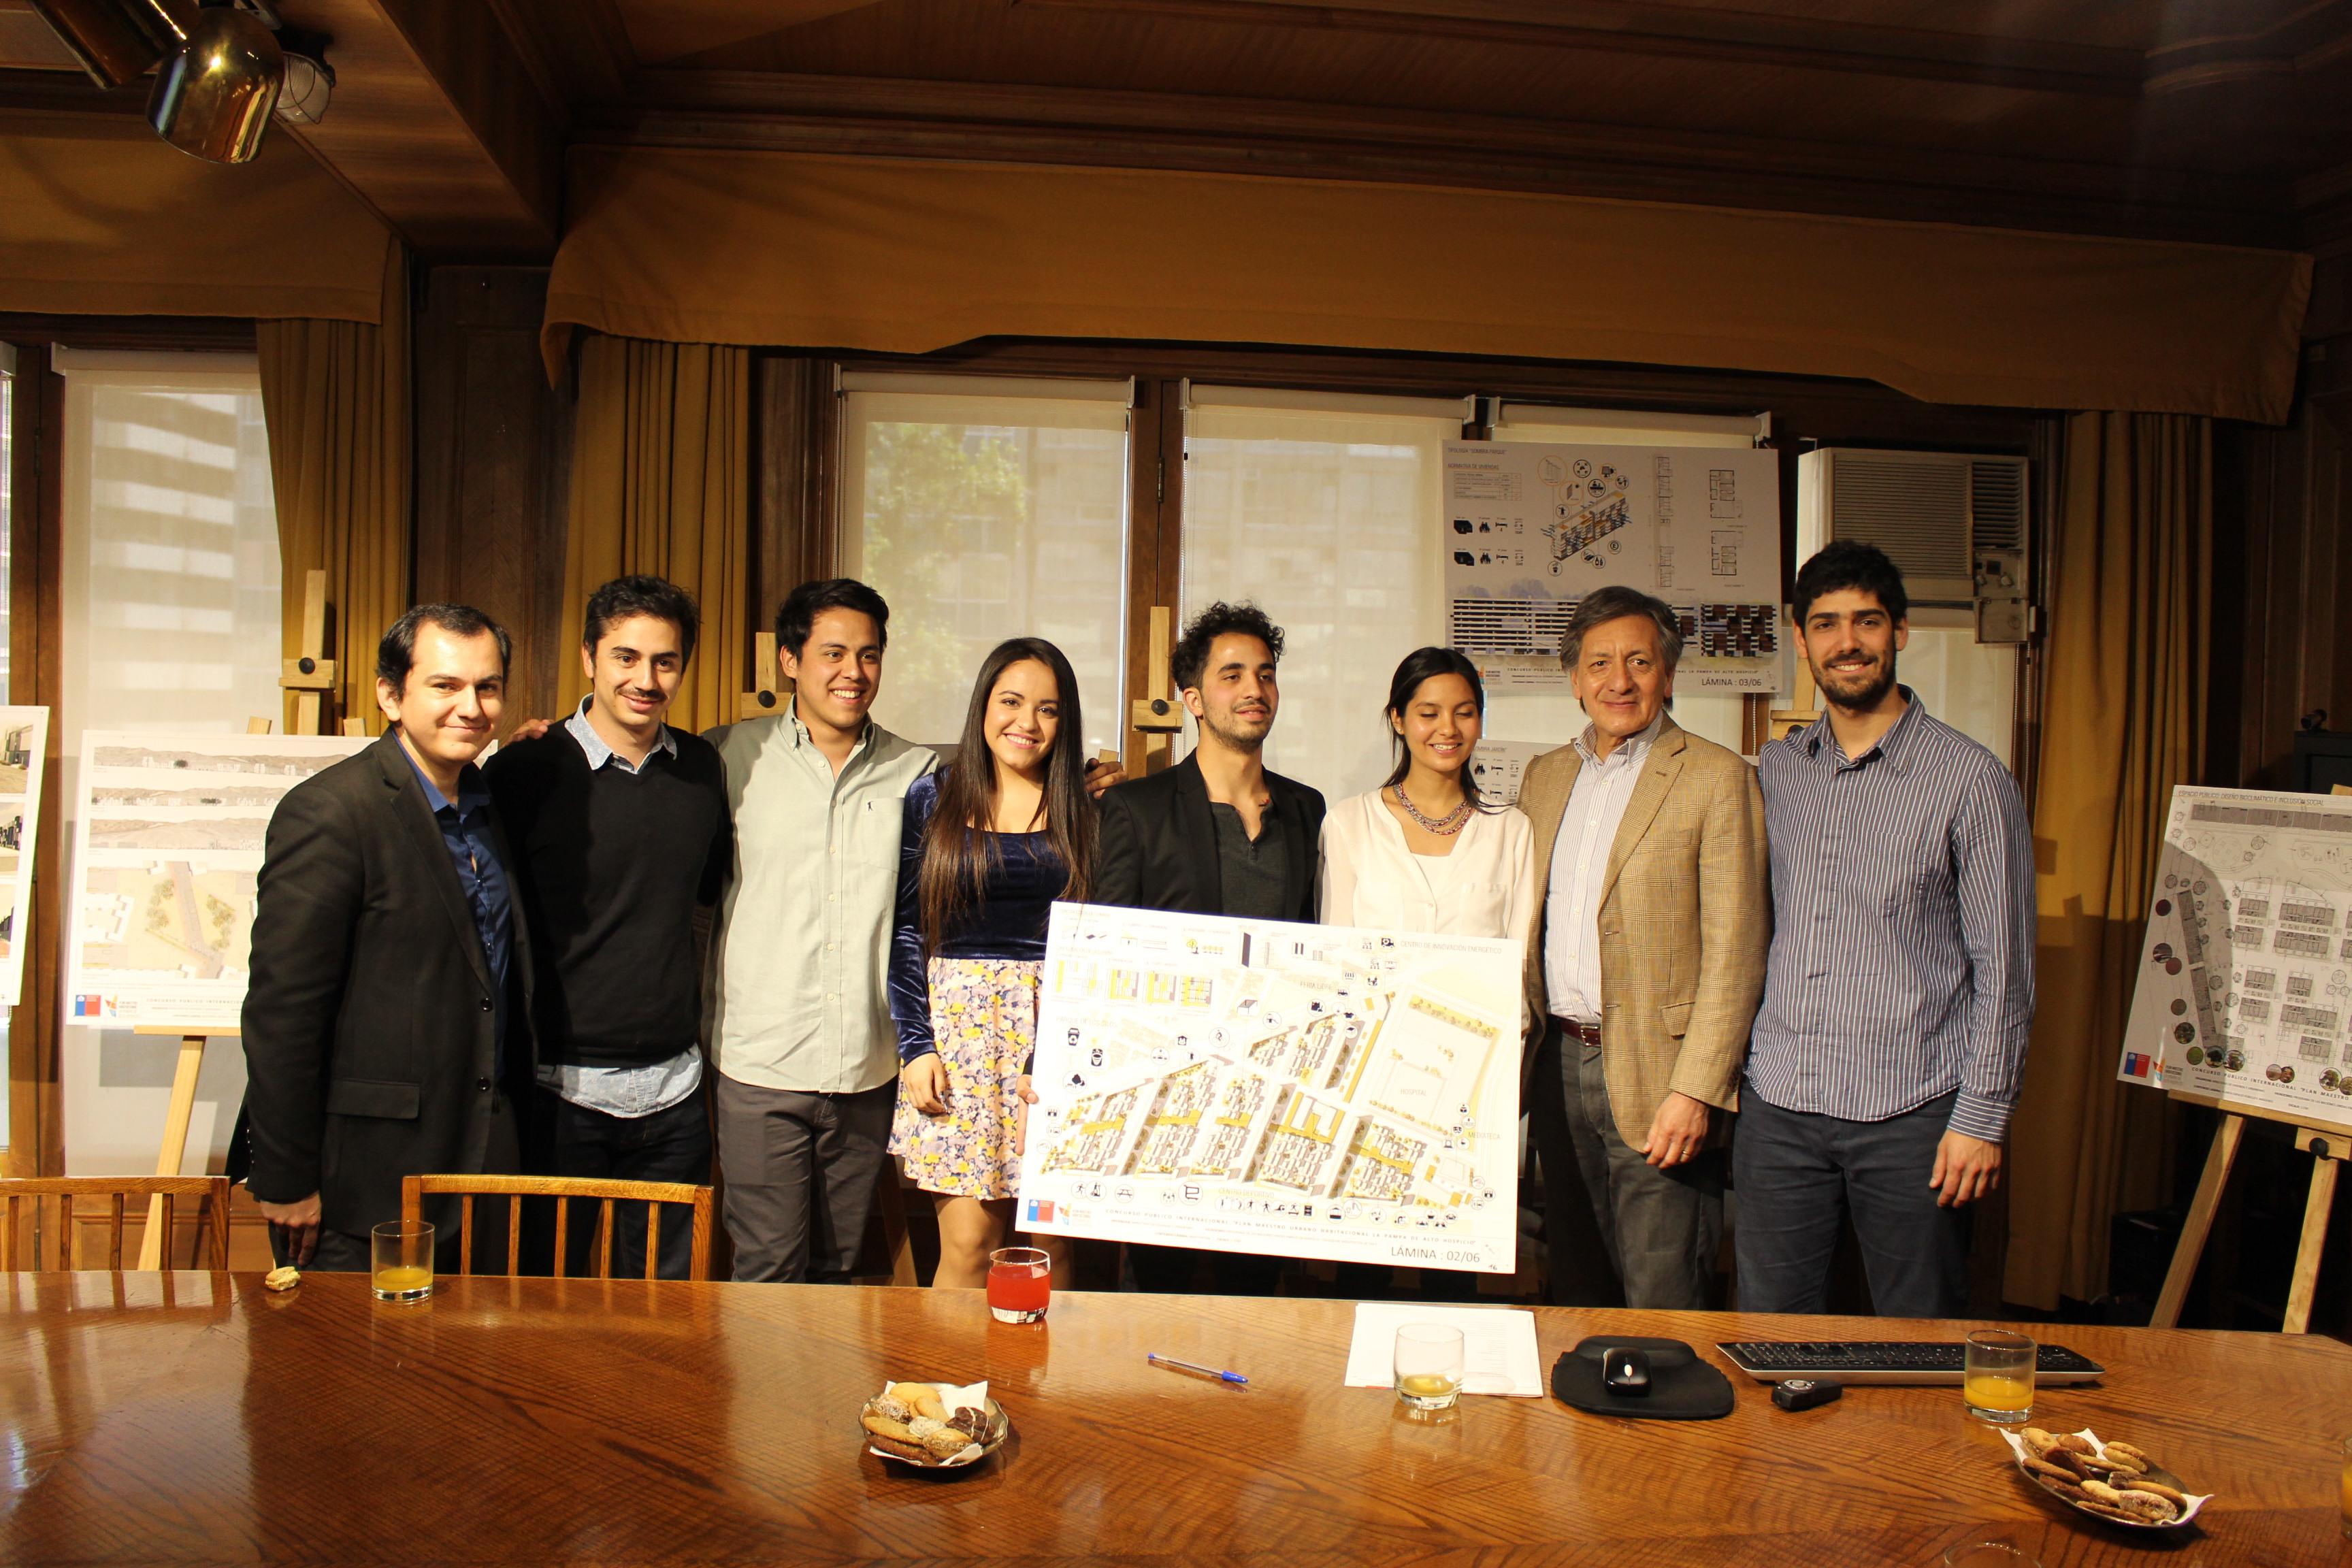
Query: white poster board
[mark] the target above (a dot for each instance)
(167, 843)
(23, 744)
(2245, 997)
(1304, 1090)
(1501, 767)
(1531, 528)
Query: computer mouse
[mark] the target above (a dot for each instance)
(1625, 1370)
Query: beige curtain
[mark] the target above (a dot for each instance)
(335, 394)
(2123, 699)
(702, 244)
(661, 483)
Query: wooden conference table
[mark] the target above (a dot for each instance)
(195, 1418)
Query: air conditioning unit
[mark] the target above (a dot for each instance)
(1955, 523)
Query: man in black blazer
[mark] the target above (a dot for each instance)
(1215, 835)
(391, 978)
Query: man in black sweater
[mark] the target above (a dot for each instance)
(621, 833)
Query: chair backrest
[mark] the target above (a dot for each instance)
(101, 1197)
(565, 1190)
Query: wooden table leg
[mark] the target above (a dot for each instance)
(2201, 1220)
(153, 1241)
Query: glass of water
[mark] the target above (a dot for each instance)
(1428, 1365)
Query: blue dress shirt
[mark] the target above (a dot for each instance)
(473, 850)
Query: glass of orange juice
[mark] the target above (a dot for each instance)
(402, 1260)
(1998, 1373)
(2347, 1488)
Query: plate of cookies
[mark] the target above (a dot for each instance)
(934, 1425)
(2118, 1482)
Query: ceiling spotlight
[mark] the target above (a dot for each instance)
(212, 99)
(117, 41)
(310, 79)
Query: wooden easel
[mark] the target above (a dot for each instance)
(182, 1107)
(2329, 1150)
(763, 700)
(310, 675)
(1158, 718)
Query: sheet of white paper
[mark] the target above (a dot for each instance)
(1498, 1346)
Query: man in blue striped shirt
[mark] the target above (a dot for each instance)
(1899, 991)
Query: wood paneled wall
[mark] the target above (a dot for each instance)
(493, 466)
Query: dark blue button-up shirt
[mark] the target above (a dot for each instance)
(465, 829)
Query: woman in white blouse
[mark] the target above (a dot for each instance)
(1422, 852)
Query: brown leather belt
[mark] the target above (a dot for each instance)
(1589, 1033)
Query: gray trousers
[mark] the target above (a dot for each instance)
(803, 1171)
(1664, 1228)
(1800, 1173)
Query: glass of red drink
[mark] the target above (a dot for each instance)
(1020, 1284)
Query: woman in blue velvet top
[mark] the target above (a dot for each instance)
(990, 842)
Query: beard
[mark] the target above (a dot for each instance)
(1861, 688)
(1237, 734)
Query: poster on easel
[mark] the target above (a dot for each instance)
(1532, 527)
(2244, 995)
(24, 744)
(168, 837)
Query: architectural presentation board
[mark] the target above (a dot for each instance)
(1531, 528)
(2245, 977)
(167, 841)
(24, 742)
(1501, 767)
(1305, 1091)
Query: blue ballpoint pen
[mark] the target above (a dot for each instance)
(1160, 1360)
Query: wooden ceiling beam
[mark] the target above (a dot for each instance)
(1111, 128)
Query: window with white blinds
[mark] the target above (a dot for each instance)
(984, 509)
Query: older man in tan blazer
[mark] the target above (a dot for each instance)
(1647, 964)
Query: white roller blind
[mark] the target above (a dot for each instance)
(1627, 426)
(982, 516)
(1331, 522)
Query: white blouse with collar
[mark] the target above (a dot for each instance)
(1484, 886)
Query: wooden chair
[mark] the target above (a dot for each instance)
(211, 1215)
(565, 1190)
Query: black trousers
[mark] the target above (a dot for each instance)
(1799, 1174)
(341, 1252)
(670, 1145)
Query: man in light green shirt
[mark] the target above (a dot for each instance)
(799, 1001)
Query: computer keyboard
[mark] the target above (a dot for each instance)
(1887, 1361)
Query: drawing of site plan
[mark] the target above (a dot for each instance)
(2244, 996)
(1532, 527)
(168, 836)
(1249, 1086)
(24, 744)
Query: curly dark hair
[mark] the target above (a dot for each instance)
(1851, 563)
(1189, 661)
(625, 597)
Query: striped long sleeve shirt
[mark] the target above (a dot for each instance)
(1901, 959)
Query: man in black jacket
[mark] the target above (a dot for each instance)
(391, 975)
(1215, 835)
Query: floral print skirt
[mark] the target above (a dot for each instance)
(985, 1022)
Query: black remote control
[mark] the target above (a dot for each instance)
(1803, 1392)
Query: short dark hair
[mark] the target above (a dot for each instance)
(625, 597)
(796, 617)
(1190, 659)
(1614, 603)
(1851, 563)
(395, 656)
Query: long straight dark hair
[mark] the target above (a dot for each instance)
(1426, 664)
(958, 849)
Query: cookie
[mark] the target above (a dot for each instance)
(915, 1452)
(920, 1397)
(945, 1443)
(284, 1278)
(895, 1431)
(2153, 1489)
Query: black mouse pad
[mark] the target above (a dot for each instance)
(1681, 1386)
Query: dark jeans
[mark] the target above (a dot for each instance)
(1664, 1228)
(670, 1145)
(1797, 1173)
(802, 1171)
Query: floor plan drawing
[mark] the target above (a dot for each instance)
(2245, 982)
(169, 832)
(1250, 1085)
